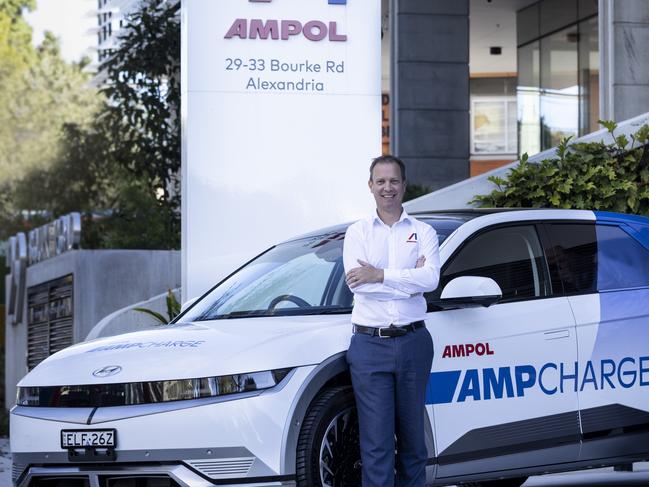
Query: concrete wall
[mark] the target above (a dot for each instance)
(624, 51)
(128, 319)
(103, 282)
(430, 89)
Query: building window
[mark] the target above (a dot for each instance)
(559, 87)
(558, 74)
(588, 76)
(493, 125)
(529, 98)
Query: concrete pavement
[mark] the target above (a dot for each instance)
(601, 477)
(5, 463)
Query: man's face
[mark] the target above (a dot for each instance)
(387, 186)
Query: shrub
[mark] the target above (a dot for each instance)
(594, 176)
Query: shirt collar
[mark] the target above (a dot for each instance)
(404, 217)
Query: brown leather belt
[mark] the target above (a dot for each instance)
(391, 331)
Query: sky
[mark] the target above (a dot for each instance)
(71, 21)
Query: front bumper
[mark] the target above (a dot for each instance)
(102, 476)
(238, 441)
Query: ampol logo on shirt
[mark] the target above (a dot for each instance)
(412, 238)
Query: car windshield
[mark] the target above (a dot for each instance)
(300, 277)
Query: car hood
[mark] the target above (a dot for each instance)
(193, 350)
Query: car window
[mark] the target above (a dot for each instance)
(303, 276)
(443, 228)
(511, 256)
(573, 250)
(622, 261)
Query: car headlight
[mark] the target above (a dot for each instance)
(132, 393)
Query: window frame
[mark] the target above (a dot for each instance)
(548, 244)
(536, 225)
(505, 100)
(623, 228)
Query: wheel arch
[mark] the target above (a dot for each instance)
(333, 371)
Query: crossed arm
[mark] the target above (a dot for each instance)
(388, 284)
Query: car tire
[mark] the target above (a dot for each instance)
(515, 482)
(328, 448)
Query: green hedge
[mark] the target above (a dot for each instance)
(593, 176)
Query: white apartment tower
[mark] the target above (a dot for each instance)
(111, 20)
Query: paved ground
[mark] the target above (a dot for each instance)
(603, 477)
(5, 463)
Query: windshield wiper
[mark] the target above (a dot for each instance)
(277, 312)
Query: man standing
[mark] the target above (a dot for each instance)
(390, 260)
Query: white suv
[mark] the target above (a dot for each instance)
(540, 326)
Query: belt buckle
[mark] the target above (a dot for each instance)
(383, 336)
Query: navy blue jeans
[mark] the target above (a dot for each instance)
(389, 376)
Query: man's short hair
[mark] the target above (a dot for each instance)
(389, 159)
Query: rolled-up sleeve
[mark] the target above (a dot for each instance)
(353, 251)
(422, 279)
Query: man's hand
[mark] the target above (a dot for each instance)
(420, 262)
(365, 274)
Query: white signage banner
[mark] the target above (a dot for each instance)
(281, 117)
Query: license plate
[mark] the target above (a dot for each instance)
(103, 438)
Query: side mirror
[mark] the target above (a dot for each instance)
(187, 304)
(470, 292)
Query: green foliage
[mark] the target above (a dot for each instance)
(594, 176)
(15, 8)
(173, 309)
(144, 92)
(139, 220)
(115, 157)
(40, 94)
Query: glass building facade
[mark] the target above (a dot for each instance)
(558, 72)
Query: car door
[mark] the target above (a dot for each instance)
(605, 271)
(495, 396)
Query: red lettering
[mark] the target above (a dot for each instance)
(314, 30)
(458, 350)
(290, 28)
(261, 30)
(319, 27)
(238, 29)
(467, 349)
(333, 33)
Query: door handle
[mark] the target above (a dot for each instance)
(556, 334)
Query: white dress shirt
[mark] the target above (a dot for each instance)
(399, 299)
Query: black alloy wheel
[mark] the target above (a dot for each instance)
(328, 449)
